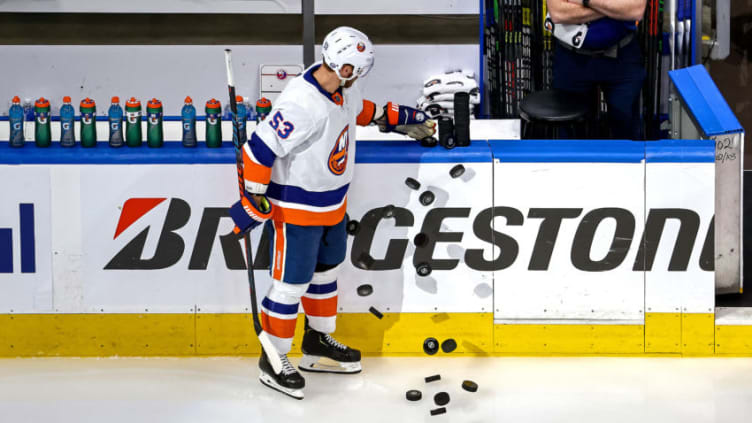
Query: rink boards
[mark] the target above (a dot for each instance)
(539, 247)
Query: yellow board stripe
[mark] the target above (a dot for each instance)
(395, 334)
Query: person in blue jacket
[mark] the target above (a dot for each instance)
(597, 45)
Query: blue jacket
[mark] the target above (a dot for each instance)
(605, 32)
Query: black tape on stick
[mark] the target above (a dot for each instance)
(462, 119)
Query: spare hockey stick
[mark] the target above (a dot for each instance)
(266, 343)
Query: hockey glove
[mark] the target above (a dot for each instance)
(247, 215)
(406, 120)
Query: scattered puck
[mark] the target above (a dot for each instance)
(433, 378)
(448, 345)
(376, 312)
(470, 386)
(352, 227)
(365, 290)
(413, 395)
(426, 198)
(429, 142)
(420, 240)
(412, 183)
(457, 171)
(388, 211)
(364, 261)
(441, 398)
(423, 269)
(431, 347)
(437, 411)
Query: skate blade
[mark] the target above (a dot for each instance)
(269, 381)
(314, 363)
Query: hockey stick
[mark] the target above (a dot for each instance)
(266, 343)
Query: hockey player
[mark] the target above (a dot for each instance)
(297, 167)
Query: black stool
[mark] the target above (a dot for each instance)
(548, 112)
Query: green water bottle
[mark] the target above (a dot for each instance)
(213, 123)
(263, 107)
(154, 131)
(88, 109)
(42, 131)
(133, 134)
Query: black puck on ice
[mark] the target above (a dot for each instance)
(426, 198)
(433, 378)
(437, 411)
(413, 395)
(431, 347)
(364, 261)
(365, 290)
(412, 183)
(420, 240)
(457, 171)
(423, 269)
(376, 312)
(388, 211)
(470, 386)
(352, 227)
(441, 398)
(429, 142)
(449, 345)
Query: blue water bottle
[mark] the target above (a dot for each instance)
(188, 115)
(115, 119)
(242, 117)
(16, 118)
(67, 119)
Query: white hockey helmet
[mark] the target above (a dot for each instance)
(348, 46)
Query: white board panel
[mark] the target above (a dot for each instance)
(26, 270)
(683, 192)
(553, 276)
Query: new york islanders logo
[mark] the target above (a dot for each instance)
(338, 156)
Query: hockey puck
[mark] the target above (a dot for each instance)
(457, 171)
(426, 198)
(364, 261)
(423, 269)
(352, 227)
(412, 183)
(365, 290)
(420, 240)
(376, 312)
(429, 142)
(433, 378)
(437, 411)
(470, 386)
(441, 398)
(387, 211)
(450, 143)
(448, 345)
(413, 395)
(431, 347)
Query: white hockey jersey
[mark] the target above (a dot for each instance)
(303, 154)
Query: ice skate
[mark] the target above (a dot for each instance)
(322, 353)
(288, 381)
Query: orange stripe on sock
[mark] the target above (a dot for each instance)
(281, 328)
(320, 308)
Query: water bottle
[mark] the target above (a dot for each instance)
(42, 131)
(28, 109)
(154, 131)
(115, 118)
(188, 115)
(241, 120)
(67, 119)
(16, 119)
(88, 109)
(213, 123)
(133, 134)
(263, 108)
